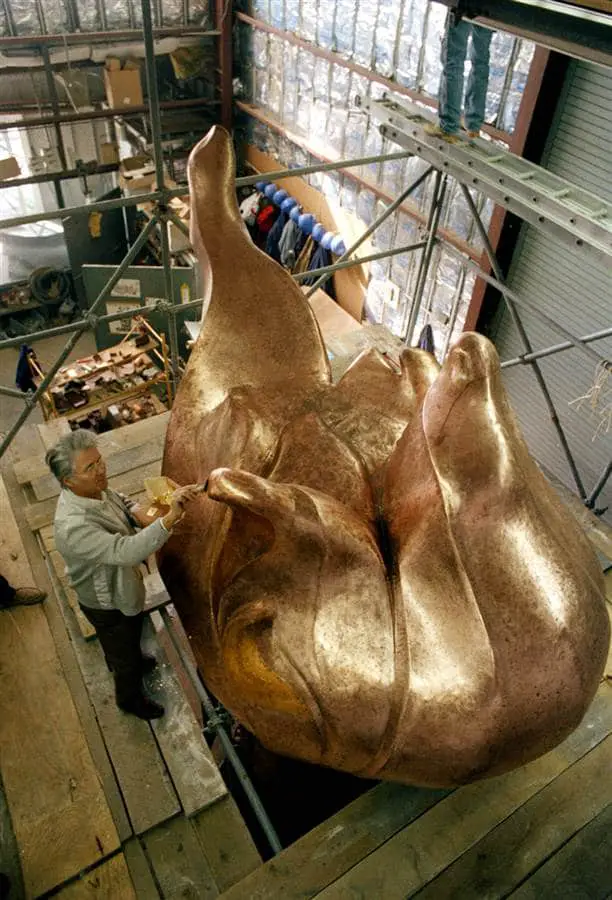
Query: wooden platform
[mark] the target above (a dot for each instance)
(101, 803)
(543, 830)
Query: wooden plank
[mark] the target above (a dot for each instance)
(60, 629)
(88, 632)
(108, 881)
(418, 853)
(140, 870)
(192, 768)
(47, 535)
(180, 866)
(46, 486)
(515, 848)
(109, 443)
(139, 768)
(227, 843)
(9, 851)
(52, 431)
(580, 870)
(61, 819)
(339, 843)
(14, 562)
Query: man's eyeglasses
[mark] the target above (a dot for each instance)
(89, 469)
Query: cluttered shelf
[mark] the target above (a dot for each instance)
(100, 391)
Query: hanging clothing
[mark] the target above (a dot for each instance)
(303, 260)
(319, 260)
(288, 242)
(264, 222)
(274, 236)
(426, 339)
(23, 375)
(250, 207)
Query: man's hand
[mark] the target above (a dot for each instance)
(181, 497)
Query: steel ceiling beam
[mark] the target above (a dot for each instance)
(580, 29)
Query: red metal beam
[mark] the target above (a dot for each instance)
(517, 141)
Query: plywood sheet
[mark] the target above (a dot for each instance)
(227, 843)
(350, 283)
(179, 864)
(14, 563)
(192, 768)
(61, 819)
(516, 847)
(140, 770)
(108, 881)
(418, 853)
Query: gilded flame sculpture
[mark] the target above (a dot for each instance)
(378, 579)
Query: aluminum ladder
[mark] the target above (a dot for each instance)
(549, 203)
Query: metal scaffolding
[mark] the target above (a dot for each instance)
(442, 161)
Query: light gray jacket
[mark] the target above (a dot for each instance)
(103, 551)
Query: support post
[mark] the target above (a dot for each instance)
(526, 344)
(156, 133)
(601, 483)
(52, 88)
(432, 228)
(555, 348)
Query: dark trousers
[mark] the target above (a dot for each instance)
(7, 593)
(119, 636)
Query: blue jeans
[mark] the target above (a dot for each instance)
(454, 51)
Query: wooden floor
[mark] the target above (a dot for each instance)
(100, 804)
(108, 806)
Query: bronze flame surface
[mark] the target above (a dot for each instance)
(378, 579)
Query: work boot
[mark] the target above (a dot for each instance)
(451, 137)
(143, 708)
(24, 596)
(5, 886)
(147, 664)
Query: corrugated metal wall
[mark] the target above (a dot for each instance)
(577, 295)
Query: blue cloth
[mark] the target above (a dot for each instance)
(454, 52)
(274, 237)
(23, 375)
(426, 340)
(319, 260)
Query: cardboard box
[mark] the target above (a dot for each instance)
(112, 63)
(9, 168)
(109, 153)
(178, 241)
(123, 88)
(137, 174)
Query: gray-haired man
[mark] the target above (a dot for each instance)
(96, 533)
